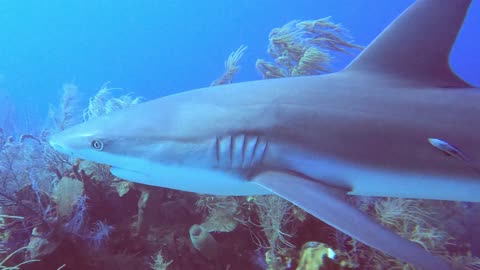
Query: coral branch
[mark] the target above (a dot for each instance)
(231, 67)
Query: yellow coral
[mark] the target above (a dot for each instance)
(313, 60)
(231, 67)
(312, 256)
(303, 48)
(269, 70)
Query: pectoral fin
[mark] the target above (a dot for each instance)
(328, 204)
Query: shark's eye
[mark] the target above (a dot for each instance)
(97, 144)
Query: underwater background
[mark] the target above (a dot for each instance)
(63, 61)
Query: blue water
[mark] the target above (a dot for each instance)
(156, 48)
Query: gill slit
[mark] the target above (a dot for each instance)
(217, 150)
(232, 149)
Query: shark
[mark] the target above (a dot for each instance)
(395, 122)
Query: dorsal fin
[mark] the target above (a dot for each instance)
(417, 44)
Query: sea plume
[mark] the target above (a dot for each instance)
(231, 67)
(302, 48)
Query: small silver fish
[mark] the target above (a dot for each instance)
(448, 149)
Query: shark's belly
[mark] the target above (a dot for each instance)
(198, 180)
(370, 182)
(376, 181)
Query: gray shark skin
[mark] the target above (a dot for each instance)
(366, 130)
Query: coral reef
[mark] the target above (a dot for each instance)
(302, 48)
(204, 242)
(66, 114)
(104, 102)
(159, 262)
(314, 256)
(16, 266)
(231, 67)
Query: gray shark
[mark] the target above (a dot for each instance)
(396, 122)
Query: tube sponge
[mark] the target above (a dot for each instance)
(203, 241)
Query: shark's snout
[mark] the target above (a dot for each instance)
(56, 146)
(57, 143)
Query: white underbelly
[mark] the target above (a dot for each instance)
(366, 181)
(191, 179)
